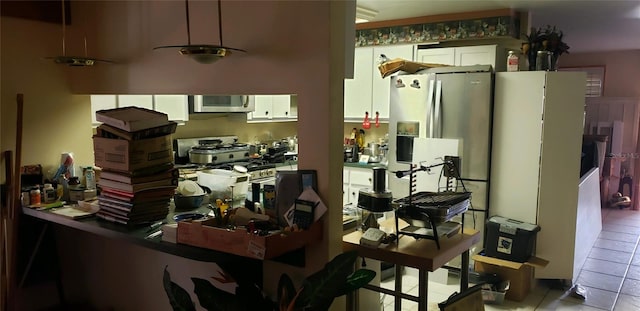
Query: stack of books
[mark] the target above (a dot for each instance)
(142, 193)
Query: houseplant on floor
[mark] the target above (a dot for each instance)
(317, 292)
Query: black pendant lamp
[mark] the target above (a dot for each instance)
(75, 61)
(203, 53)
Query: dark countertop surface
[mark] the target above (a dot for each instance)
(368, 165)
(136, 235)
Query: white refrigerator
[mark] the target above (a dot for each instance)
(453, 103)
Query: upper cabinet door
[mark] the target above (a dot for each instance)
(476, 55)
(101, 102)
(357, 91)
(175, 106)
(445, 56)
(263, 107)
(280, 106)
(381, 87)
(143, 101)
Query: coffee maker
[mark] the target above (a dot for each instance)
(374, 201)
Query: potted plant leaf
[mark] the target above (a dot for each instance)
(317, 292)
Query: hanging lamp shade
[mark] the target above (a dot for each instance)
(74, 61)
(203, 53)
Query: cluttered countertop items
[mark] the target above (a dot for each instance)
(142, 176)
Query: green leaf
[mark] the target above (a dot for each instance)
(356, 280)
(178, 297)
(286, 290)
(322, 287)
(212, 298)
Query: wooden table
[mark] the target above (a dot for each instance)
(420, 254)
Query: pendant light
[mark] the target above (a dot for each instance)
(75, 61)
(203, 53)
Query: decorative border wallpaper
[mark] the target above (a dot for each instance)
(490, 27)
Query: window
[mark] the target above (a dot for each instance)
(595, 79)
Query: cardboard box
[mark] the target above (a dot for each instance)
(203, 233)
(130, 155)
(519, 274)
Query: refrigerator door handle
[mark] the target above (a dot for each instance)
(430, 120)
(437, 120)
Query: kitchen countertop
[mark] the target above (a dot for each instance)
(368, 165)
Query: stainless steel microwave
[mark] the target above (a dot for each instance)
(221, 103)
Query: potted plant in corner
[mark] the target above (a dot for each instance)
(317, 292)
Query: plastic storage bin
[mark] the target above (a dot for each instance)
(510, 239)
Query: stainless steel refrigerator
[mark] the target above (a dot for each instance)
(445, 102)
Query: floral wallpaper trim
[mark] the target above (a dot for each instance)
(489, 27)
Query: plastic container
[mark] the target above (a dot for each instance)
(49, 193)
(510, 239)
(512, 61)
(90, 178)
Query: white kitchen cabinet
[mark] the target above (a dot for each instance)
(465, 56)
(368, 92)
(274, 108)
(143, 101)
(535, 165)
(175, 106)
(102, 102)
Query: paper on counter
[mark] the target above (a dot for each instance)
(308, 195)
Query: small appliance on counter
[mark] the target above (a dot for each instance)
(378, 199)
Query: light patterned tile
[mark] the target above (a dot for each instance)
(618, 236)
(597, 298)
(599, 281)
(626, 247)
(621, 228)
(631, 287)
(633, 273)
(552, 304)
(627, 303)
(636, 259)
(623, 221)
(604, 266)
(610, 255)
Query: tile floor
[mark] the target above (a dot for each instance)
(611, 276)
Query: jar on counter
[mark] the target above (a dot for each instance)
(49, 193)
(34, 196)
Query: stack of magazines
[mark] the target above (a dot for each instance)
(141, 194)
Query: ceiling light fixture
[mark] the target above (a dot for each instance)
(364, 15)
(74, 61)
(203, 53)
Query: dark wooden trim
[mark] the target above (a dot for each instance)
(437, 18)
(44, 11)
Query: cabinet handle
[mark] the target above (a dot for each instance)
(286, 113)
(266, 113)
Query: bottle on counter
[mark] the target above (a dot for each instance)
(512, 61)
(34, 195)
(49, 193)
(90, 178)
